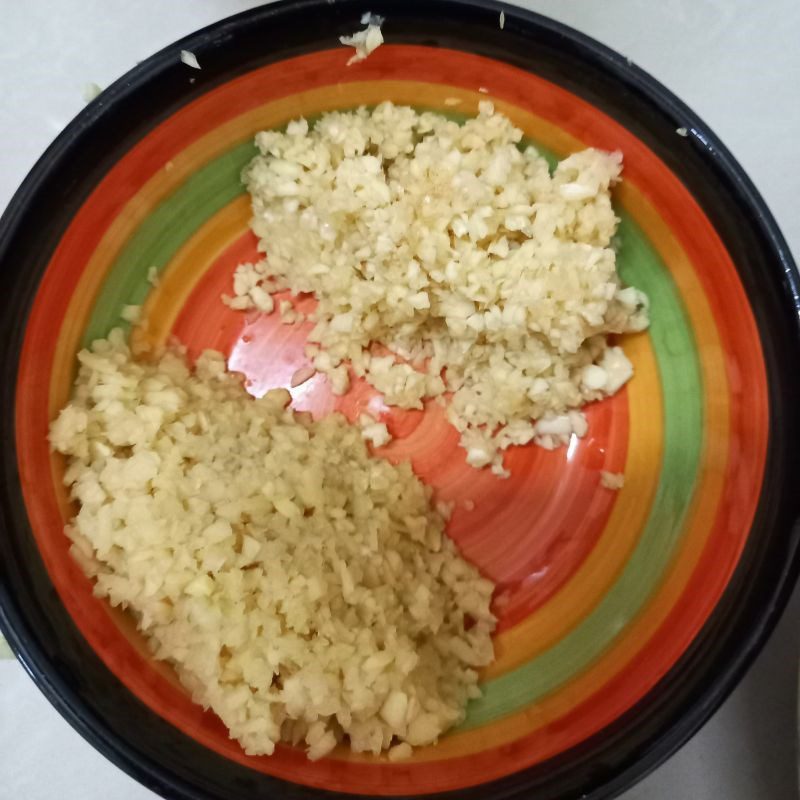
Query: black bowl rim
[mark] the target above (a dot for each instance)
(702, 704)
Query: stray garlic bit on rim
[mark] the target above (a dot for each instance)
(190, 59)
(366, 41)
(90, 91)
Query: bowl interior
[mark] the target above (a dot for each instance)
(600, 593)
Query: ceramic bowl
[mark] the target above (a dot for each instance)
(624, 617)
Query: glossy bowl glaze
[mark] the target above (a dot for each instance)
(625, 617)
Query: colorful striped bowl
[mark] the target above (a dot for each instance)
(625, 618)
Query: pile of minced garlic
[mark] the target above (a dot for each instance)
(445, 258)
(303, 588)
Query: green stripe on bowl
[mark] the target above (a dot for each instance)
(161, 235)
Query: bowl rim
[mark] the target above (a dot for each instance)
(733, 660)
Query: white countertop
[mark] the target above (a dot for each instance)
(735, 62)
